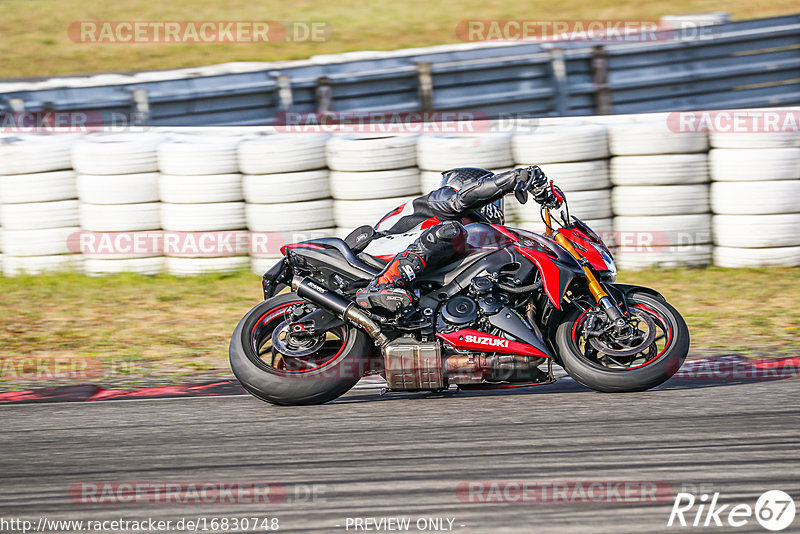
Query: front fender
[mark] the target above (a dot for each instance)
(626, 289)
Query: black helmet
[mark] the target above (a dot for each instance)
(463, 176)
(458, 178)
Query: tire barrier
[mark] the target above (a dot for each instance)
(757, 231)
(101, 154)
(103, 266)
(118, 186)
(669, 257)
(371, 153)
(650, 137)
(21, 265)
(291, 216)
(38, 210)
(659, 198)
(35, 153)
(282, 153)
(755, 198)
(38, 187)
(660, 201)
(120, 217)
(429, 180)
(180, 266)
(665, 169)
(286, 187)
(561, 144)
(189, 155)
(208, 217)
(39, 215)
(756, 257)
(440, 152)
(201, 189)
(751, 140)
(756, 164)
(120, 189)
(575, 156)
(366, 185)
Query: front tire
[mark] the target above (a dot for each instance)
(655, 366)
(337, 361)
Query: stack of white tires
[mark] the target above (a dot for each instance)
(369, 176)
(202, 207)
(287, 192)
(38, 206)
(117, 183)
(660, 196)
(574, 156)
(440, 152)
(755, 198)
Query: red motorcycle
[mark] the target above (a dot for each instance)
(515, 303)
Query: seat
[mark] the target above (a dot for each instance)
(365, 262)
(372, 261)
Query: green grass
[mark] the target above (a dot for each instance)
(165, 327)
(35, 42)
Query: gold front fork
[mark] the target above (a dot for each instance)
(595, 288)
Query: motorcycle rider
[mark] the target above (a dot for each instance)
(434, 226)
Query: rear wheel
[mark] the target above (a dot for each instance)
(293, 368)
(612, 366)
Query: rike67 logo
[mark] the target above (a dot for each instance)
(774, 510)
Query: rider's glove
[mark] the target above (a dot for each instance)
(539, 188)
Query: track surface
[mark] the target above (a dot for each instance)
(404, 455)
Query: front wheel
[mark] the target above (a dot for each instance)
(287, 368)
(665, 351)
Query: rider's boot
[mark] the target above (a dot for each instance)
(389, 290)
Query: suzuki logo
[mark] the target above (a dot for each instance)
(488, 341)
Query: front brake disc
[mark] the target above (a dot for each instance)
(630, 345)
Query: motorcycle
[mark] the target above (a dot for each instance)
(513, 304)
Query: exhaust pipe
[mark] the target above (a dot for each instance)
(313, 291)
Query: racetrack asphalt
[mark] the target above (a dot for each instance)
(404, 455)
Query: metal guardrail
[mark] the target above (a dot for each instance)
(744, 64)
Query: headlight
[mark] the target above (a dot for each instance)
(612, 267)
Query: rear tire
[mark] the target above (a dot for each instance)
(647, 375)
(321, 384)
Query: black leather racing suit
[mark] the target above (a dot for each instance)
(431, 228)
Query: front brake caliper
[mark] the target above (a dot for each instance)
(593, 326)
